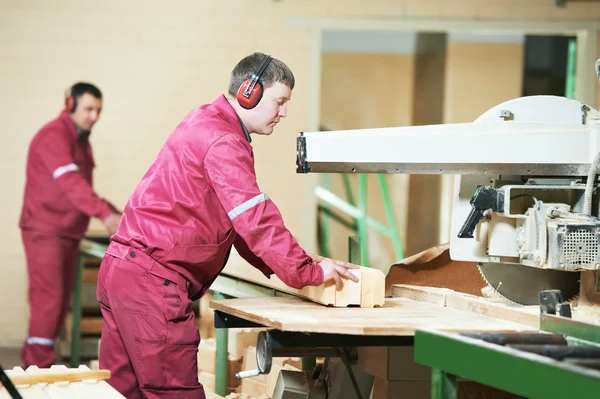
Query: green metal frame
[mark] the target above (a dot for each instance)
(358, 213)
(584, 333)
(528, 375)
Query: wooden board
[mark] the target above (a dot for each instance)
(60, 382)
(443, 297)
(368, 292)
(398, 316)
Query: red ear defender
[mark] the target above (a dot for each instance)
(249, 93)
(70, 104)
(251, 90)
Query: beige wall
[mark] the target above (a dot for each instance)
(154, 62)
(361, 91)
(479, 76)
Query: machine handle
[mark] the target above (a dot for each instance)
(484, 198)
(466, 231)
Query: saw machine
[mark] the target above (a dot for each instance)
(525, 204)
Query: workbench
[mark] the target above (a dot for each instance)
(296, 325)
(452, 342)
(398, 317)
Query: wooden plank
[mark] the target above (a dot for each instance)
(499, 309)
(61, 382)
(398, 317)
(371, 294)
(48, 378)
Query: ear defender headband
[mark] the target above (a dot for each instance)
(251, 90)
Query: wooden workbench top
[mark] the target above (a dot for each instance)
(398, 316)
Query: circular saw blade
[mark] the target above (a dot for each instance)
(522, 284)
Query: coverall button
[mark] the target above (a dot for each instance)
(167, 282)
(132, 254)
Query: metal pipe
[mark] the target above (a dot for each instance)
(560, 352)
(515, 338)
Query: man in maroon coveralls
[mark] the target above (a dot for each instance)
(198, 198)
(58, 203)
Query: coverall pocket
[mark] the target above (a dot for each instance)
(200, 254)
(172, 300)
(128, 289)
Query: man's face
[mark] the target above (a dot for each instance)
(87, 112)
(271, 108)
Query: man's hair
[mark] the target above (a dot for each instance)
(80, 88)
(276, 71)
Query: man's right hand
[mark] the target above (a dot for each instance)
(112, 223)
(335, 270)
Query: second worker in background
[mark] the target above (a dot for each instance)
(58, 203)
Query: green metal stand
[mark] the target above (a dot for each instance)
(221, 356)
(76, 317)
(443, 385)
(358, 213)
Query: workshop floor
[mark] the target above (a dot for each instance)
(10, 357)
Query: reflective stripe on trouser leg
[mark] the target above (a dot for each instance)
(39, 341)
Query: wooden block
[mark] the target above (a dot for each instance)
(208, 380)
(207, 352)
(372, 288)
(368, 292)
(323, 294)
(207, 317)
(350, 294)
(239, 339)
(372, 295)
(253, 388)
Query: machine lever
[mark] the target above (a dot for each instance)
(484, 198)
(247, 373)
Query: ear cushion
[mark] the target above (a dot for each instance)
(255, 95)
